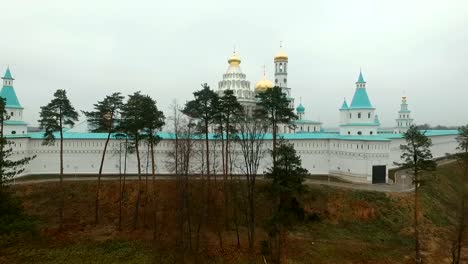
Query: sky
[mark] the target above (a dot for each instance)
(166, 49)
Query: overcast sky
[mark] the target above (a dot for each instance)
(168, 48)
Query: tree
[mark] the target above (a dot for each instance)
(154, 121)
(230, 112)
(53, 117)
(462, 160)
(417, 158)
(204, 108)
(133, 123)
(251, 141)
(8, 168)
(275, 107)
(104, 120)
(286, 186)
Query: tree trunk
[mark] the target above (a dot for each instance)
(207, 152)
(96, 209)
(416, 226)
(137, 205)
(274, 145)
(122, 190)
(155, 207)
(62, 202)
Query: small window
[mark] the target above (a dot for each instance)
(12, 114)
(350, 115)
(359, 115)
(349, 132)
(13, 132)
(368, 115)
(371, 132)
(359, 133)
(276, 80)
(284, 80)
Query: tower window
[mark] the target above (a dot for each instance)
(359, 115)
(276, 80)
(284, 80)
(368, 115)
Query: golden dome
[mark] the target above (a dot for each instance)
(263, 85)
(234, 60)
(281, 56)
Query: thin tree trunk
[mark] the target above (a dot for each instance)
(155, 209)
(207, 152)
(137, 206)
(62, 202)
(96, 209)
(122, 191)
(416, 226)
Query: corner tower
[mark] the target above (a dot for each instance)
(359, 118)
(15, 124)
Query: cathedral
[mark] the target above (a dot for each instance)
(360, 151)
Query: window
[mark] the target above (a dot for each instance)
(371, 132)
(276, 80)
(359, 133)
(13, 132)
(368, 115)
(359, 115)
(349, 133)
(12, 114)
(350, 115)
(284, 80)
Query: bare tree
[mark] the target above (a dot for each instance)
(251, 140)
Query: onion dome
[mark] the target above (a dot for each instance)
(300, 109)
(234, 60)
(263, 85)
(281, 56)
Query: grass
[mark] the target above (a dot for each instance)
(343, 226)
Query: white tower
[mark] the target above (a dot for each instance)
(359, 117)
(15, 124)
(404, 120)
(281, 74)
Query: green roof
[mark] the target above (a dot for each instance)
(294, 136)
(15, 122)
(303, 121)
(360, 79)
(344, 106)
(8, 92)
(360, 124)
(8, 74)
(361, 100)
(300, 108)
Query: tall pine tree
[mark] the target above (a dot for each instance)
(104, 120)
(417, 158)
(275, 107)
(53, 118)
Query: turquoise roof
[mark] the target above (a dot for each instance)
(300, 108)
(361, 99)
(9, 94)
(303, 121)
(8, 74)
(14, 122)
(344, 106)
(360, 79)
(295, 136)
(376, 120)
(359, 124)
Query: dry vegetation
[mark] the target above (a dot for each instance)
(341, 226)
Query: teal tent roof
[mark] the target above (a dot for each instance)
(300, 108)
(344, 106)
(361, 99)
(9, 94)
(7, 74)
(360, 79)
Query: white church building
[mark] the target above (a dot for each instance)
(360, 151)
